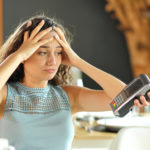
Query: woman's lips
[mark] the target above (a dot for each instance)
(50, 70)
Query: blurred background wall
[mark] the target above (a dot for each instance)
(1, 22)
(96, 38)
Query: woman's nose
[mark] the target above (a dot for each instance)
(51, 60)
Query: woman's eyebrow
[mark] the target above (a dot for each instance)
(59, 46)
(44, 46)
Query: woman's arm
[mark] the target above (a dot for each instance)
(29, 46)
(111, 85)
(88, 99)
(85, 99)
(7, 67)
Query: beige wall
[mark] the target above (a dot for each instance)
(1, 21)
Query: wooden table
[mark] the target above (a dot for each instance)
(81, 133)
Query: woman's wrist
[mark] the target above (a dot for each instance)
(77, 62)
(18, 56)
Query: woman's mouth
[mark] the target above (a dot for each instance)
(50, 70)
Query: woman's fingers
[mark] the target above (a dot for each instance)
(137, 103)
(29, 23)
(144, 101)
(41, 34)
(26, 35)
(42, 42)
(60, 33)
(60, 41)
(37, 29)
(148, 95)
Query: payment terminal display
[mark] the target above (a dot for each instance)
(123, 102)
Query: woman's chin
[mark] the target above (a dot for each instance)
(50, 77)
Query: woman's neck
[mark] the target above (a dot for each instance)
(34, 83)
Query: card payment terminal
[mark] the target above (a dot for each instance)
(123, 102)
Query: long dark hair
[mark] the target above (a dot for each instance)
(15, 40)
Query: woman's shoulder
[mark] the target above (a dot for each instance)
(72, 91)
(12, 86)
(12, 83)
(3, 93)
(59, 90)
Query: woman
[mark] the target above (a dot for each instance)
(34, 89)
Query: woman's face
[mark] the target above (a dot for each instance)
(44, 63)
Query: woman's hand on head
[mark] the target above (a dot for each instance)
(143, 101)
(33, 42)
(69, 57)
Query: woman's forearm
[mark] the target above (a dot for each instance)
(111, 85)
(7, 67)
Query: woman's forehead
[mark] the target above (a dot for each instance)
(50, 34)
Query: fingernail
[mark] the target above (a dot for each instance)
(42, 21)
(56, 36)
(29, 23)
(141, 97)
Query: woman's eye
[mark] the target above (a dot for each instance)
(58, 53)
(42, 53)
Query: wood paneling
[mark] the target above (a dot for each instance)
(1, 21)
(134, 18)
